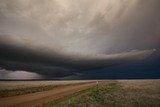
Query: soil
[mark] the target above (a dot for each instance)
(35, 99)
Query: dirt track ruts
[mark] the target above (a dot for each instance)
(34, 99)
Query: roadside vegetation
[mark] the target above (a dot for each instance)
(27, 90)
(112, 94)
(7, 89)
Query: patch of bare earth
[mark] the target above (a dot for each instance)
(116, 93)
(34, 99)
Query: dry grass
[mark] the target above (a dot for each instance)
(150, 85)
(13, 88)
(23, 84)
(123, 93)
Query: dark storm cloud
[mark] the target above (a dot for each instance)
(63, 37)
(64, 65)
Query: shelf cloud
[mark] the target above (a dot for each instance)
(58, 38)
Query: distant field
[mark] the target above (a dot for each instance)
(12, 88)
(109, 93)
(120, 93)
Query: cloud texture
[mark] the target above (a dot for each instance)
(63, 37)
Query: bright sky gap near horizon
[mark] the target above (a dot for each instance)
(79, 39)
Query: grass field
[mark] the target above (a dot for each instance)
(124, 93)
(13, 88)
(110, 93)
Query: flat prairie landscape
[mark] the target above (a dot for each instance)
(12, 88)
(80, 53)
(80, 93)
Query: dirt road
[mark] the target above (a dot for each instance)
(34, 99)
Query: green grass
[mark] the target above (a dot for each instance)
(66, 99)
(109, 95)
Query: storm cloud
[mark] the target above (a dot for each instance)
(6, 74)
(64, 37)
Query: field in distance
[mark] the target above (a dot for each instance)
(13, 88)
(115, 93)
(106, 93)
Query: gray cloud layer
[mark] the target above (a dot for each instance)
(6, 74)
(61, 37)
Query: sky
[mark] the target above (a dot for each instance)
(66, 38)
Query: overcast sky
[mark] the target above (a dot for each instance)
(64, 37)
